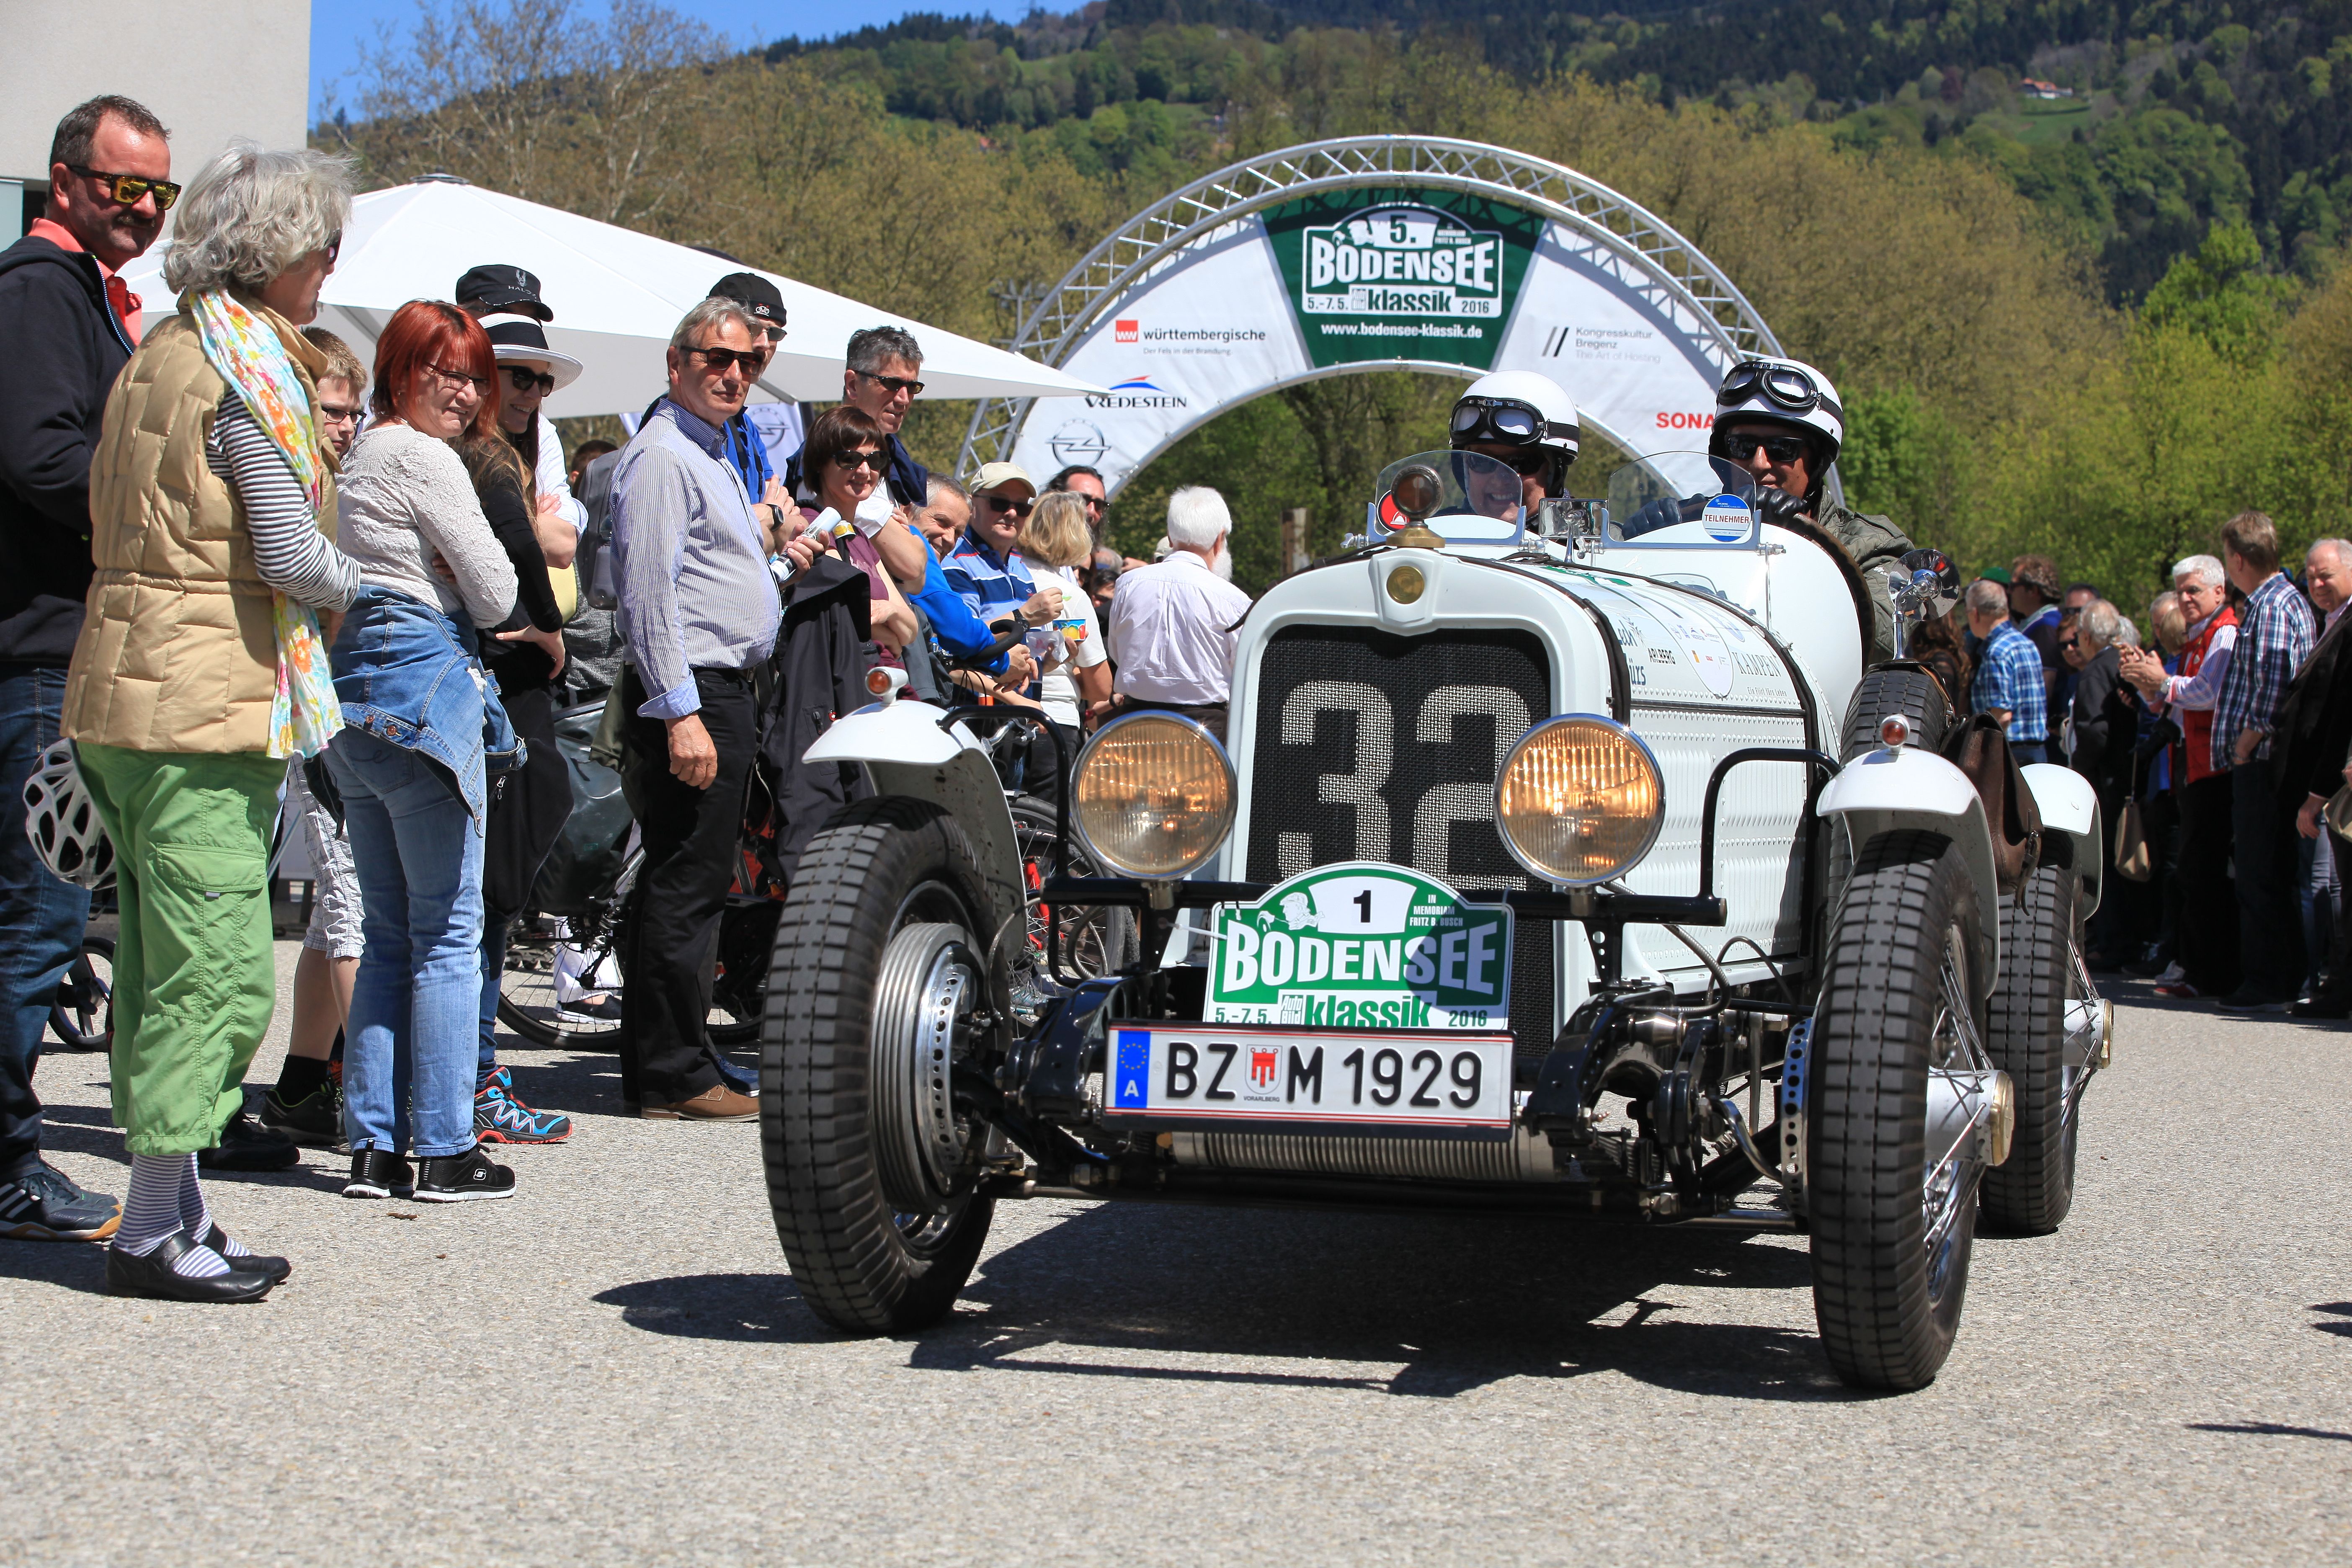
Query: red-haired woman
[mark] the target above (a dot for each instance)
(423, 729)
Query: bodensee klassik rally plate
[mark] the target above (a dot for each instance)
(1358, 993)
(1362, 945)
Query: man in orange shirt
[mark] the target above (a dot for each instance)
(66, 326)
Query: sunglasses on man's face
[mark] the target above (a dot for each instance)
(752, 360)
(876, 462)
(523, 378)
(896, 385)
(126, 189)
(1779, 448)
(1001, 504)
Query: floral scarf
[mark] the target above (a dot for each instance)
(245, 350)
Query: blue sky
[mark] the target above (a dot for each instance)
(338, 27)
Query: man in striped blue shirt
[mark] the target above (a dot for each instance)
(985, 568)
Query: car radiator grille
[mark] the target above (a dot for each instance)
(1370, 746)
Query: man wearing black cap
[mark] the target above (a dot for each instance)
(743, 443)
(498, 290)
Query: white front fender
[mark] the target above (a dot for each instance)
(1891, 792)
(910, 749)
(2070, 806)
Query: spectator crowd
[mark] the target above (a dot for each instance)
(2218, 745)
(246, 578)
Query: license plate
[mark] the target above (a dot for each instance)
(1229, 1072)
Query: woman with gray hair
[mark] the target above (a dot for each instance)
(199, 670)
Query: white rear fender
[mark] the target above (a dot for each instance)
(2070, 806)
(1892, 792)
(906, 749)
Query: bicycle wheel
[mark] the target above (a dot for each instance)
(83, 1017)
(527, 999)
(1094, 940)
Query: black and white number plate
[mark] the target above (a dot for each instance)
(1239, 1072)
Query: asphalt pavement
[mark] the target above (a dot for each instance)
(614, 1368)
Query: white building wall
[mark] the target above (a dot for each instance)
(210, 70)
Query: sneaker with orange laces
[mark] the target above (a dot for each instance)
(501, 1118)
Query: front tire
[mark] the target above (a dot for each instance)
(1892, 1235)
(877, 970)
(2030, 1194)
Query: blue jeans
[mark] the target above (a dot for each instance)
(2027, 752)
(494, 963)
(41, 918)
(411, 1045)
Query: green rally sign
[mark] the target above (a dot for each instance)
(1363, 945)
(1401, 274)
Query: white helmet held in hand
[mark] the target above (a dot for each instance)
(63, 823)
(1785, 391)
(1519, 408)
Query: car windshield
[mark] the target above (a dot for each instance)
(1686, 498)
(1465, 498)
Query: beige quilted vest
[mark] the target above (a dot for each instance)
(176, 652)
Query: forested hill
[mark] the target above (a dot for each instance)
(2157, 119)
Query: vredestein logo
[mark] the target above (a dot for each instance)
(1401, 262)
(1136, 392)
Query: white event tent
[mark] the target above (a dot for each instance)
(616, 294)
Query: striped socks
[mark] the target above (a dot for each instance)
(163, 1188)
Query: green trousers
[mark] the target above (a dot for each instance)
(194, 973)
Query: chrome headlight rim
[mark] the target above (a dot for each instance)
(1649, 839)
(1216, 750)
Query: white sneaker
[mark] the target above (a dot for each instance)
(2173, 975)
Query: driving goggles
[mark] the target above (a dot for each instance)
(1783, 386)
(1504, 422)
(126, 189)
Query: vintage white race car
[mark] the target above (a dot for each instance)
(1567, 864)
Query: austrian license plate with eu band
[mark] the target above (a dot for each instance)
(1362, 1080)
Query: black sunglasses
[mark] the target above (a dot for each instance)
(1779, 448)
(523, 378)
(752, 360)
(1007, 503)
(877, 461)
(897, 384)
(126, 189)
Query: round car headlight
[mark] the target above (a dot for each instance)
(1152, 794)
(1580, 800)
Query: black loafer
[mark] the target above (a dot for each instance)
(380, 1173)
(246, 1145)
(151, 1275)
(277, 1268)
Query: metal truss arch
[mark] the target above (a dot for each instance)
(1683, 274)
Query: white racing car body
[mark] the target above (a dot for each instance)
(1573, 863)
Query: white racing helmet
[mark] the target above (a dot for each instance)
(1519, 408)
(63, 824)
(1785, 391)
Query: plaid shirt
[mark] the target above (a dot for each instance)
(2009, 675)
(2274, 636)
